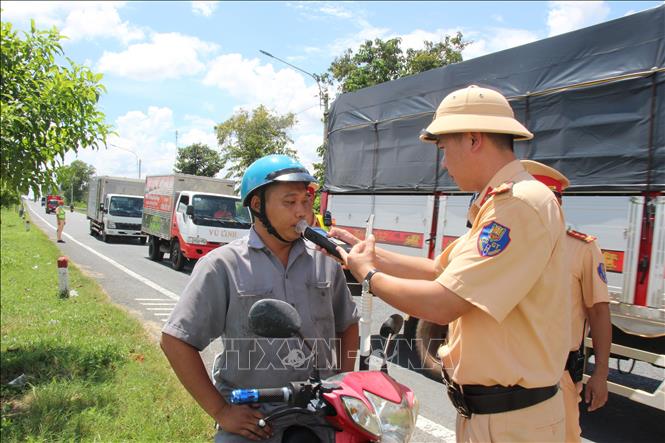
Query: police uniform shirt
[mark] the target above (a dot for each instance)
(588, 281)
(510, 266)
(229, 280)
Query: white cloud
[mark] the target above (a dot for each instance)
(496, 39)
(149, 135)
(168, 55)
(566, 16)
(335, 11)
(204, 8)
(252, 83)
(76, 20)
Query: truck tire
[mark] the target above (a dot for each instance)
(177, 259)
(142, 240)
(430, 336)
(153, 249)
(92, 229)
(105, 238)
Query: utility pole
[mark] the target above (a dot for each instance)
(323, 92)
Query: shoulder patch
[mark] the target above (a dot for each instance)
(493, 239)
(501, 189)
(580, 236)
(601, 272)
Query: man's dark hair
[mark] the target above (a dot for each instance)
(502, 141)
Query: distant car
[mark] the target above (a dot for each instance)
(43, 201)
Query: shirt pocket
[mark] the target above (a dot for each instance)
(237, 316)
(320, 303)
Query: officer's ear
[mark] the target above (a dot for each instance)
(476, 139)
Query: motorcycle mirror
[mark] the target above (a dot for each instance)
(274, 318)
(392, 326)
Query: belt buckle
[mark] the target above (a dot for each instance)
(457, 399)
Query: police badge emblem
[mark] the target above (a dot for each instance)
(493, 239)
(601, 272)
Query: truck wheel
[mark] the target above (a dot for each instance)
(430, 336)
(177, 259)
(92, 230)
(153, 249)
(105, 238)
(142, 240)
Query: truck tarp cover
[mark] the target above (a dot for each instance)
(594, 98)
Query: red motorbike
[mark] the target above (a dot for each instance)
(364, 406)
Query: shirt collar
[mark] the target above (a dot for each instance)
(503, 175)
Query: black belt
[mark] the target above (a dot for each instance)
(476, 399)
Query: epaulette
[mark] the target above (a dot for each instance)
(501, 189)
(581, 236)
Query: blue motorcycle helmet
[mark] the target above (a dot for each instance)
(265, 171)
(270, 169)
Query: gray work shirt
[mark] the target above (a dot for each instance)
(229, 280)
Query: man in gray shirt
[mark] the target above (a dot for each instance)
(272, 262)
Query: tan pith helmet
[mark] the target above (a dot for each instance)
(550, 177)
(475, 109)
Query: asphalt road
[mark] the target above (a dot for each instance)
(148, 290)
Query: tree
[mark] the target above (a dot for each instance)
(198, 159)
(247, 137)
(47, 109)
(380, 61)
(73, 180)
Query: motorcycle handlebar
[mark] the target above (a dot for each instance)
(266, 395)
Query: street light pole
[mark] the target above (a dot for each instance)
(138, 160)
(323, 93)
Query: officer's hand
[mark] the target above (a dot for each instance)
(596, 392)
(244, 420)
(361, 258)
(343, 235)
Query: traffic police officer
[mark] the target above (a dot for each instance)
(590, 308)
(272, 262)
(501, 286)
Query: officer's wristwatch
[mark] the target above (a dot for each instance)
(368, 277)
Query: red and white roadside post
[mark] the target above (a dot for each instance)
(63, 278)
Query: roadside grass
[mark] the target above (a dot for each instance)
(93, 373)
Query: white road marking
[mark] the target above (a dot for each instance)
(149, 299)
(424, 424)
(142, 279)
(434, 429)
(160, 309)
(158, 304)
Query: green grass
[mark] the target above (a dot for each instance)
(93, 372)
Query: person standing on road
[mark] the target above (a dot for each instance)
(60, 215)
(272, 262)
(590, 310)
(501, 287)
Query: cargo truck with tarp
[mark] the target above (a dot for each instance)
(595, 100)
(188, 216)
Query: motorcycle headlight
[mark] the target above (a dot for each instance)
(111, 225)
(397, 420)
(361, 415)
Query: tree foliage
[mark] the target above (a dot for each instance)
(47, 109)
(380, 61)
(246, 137)
(198, 159)
(73, 180)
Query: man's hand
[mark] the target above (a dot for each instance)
(243, 420)
(596, 391)
(362, 258)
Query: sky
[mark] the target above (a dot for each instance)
(183, 67)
